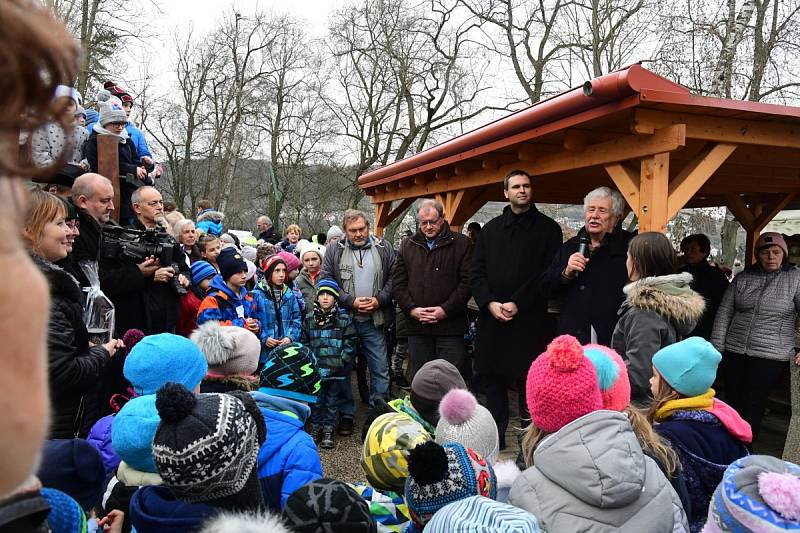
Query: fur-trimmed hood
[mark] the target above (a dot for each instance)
(210, 214)
(255, 522)
(669, 296)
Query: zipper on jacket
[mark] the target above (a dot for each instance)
(76, 423)
(767, 283)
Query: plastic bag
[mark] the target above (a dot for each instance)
(98, 313)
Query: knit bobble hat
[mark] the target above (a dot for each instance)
(439, 475)
(111, 109)
(133, 430)
(229, 350)
(562, 385)
(65, 516)
(758, 493)
(384, 456)
(291, 372)
(201, 271)
(612, 376)
(465, 421)
(328, 506)
(162, 358)
(206, 447)
(230, 262)
(329, 286)
(478, 514)
(688, 366)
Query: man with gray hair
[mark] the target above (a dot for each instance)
(588, 272)
(361, 265)
(431, 285)
(266, 231)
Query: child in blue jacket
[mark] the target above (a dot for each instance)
(288, 459)
(328, 331)
(276, 308)
(227, 301)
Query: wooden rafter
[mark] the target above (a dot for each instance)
(624, 148)
(718, 129)
(695, 174)
(627, 182)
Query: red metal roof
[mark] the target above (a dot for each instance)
(629, 87)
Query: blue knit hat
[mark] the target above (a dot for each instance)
(202, 270)
(439, 475)
(66, 515)
(328, 285)
(478, 514)
(688, 366)
(158, 359)
(73, 466)
(132, 432)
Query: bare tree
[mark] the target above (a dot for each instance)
(404, 75)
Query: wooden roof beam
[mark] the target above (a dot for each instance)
(695, 174)
(718, 129)
(623, 148)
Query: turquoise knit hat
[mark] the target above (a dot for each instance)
(689, 366)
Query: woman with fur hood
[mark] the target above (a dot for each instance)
(660, 308)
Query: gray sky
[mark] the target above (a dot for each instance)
(179, 15)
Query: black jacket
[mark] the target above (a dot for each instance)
(74, 369)
(711, 283)
(511, 254)
(86, 246)
(139, 301)
(269, 236)
(435, 277)
(595, 295)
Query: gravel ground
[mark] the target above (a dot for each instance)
(343, 461)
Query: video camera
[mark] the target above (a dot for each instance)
(136, 246)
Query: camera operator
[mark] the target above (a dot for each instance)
(588, 272)
(143, 294)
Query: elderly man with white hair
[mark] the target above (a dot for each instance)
(588, 273)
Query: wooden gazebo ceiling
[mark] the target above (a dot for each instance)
(632, 130)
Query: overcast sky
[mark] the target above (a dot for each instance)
(178, 15)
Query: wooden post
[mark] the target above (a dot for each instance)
(108, 166)
(654, 193)
(750, 246)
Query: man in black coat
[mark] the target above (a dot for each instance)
(512, 251)
(589, 286)
(93, 196)
(142, 294)
(709, 280)
(266, 231)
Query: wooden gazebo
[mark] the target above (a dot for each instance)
(662, 147)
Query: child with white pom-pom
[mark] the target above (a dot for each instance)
(465, 421)
(758, 493)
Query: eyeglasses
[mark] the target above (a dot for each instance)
(73, 224)
(429, 222)
(118, 124)
(155, 203)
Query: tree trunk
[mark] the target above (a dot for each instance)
(721, 80)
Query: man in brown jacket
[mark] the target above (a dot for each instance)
(431, 286)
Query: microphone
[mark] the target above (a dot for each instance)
(584, 246)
